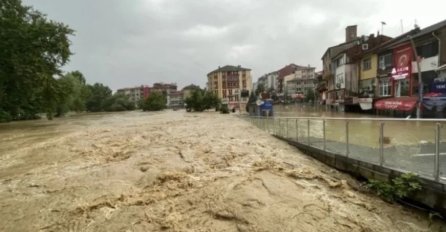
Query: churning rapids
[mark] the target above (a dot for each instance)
(177, 171)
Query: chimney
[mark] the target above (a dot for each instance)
(351, 33)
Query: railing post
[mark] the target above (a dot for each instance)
(276, 127)
(347, 146)
(323, 134)
(308, 132)
(297, 130)
(381, 144)
(437, 152)
(286, 128)
(280, 128)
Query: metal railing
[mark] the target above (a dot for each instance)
(407, 145)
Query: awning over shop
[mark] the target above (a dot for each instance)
(437, 100)
(397, 103)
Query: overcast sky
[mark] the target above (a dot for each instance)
(133, 42)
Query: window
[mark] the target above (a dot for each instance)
(339, 61)
(366, 64)
(385, 61)
(384, 87)
(428, 50)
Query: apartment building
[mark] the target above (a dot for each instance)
(341, 68)
(135, 94)
(228, 82)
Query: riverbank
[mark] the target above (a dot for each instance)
(177, 171)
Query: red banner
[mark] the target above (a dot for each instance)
(402, 62)
(398, 103)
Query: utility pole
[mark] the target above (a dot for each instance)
(420, 81)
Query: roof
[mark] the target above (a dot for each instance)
(191, 87)
(414, 34)
(340, 47)
(430, 29)
(229, 68)
(291, 68)
(397, 40)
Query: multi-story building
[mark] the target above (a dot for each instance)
(271, 81)
(135, 94)
(175, 99)
(268, 81)
(187, 91)
(280, 80)
(228, 81)
(402, 62)
(163, 87)
(306, 79)
(342, 65)
(331, 60)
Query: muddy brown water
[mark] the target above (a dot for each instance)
(363, 131)
(177, 171)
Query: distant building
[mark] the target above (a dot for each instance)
(164, 87)
(306, 79)
(228, 82)
(175, 99)
(173, 96)
(135, 94)
(187, 91)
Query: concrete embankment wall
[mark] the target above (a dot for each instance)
(433, 194)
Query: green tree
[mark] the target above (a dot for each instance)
(201, 100)
(118, 102)
(79, 91)
(155, 102)
(32, 51)
(97, 94)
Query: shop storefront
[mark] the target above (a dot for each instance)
(399, 84)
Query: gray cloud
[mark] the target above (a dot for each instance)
(128, 43)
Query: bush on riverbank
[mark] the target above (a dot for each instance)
(397, 188)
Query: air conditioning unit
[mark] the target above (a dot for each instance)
(365, 46)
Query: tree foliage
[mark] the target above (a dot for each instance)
(155, 102)
(97, 95)
(118, 102)
(32, 51)
(201, 100)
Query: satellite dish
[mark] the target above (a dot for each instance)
(259, 102)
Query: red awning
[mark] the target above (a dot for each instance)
(397, 103)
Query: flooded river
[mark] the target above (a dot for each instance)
(362, 130)
(177, 171)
